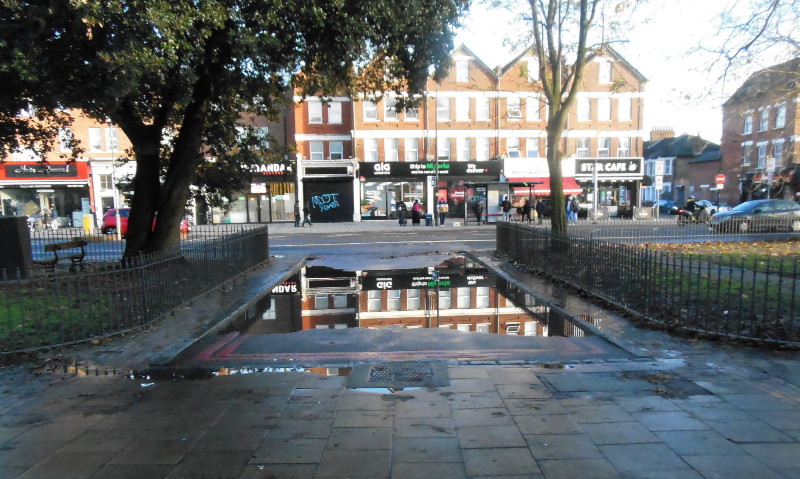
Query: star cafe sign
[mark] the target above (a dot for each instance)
(609, 168)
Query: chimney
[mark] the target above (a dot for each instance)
(661, 132)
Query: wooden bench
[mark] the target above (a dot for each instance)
(76, 257)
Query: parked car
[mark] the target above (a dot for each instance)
(110, 221)
(710, 207)
(758, 215)
(665, 207)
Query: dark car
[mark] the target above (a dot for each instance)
(758, 215)
(665, 207)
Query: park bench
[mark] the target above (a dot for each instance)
(74, 251)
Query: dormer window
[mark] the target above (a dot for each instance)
(462, 71)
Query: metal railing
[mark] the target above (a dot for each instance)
(754, 298)
(58, 309)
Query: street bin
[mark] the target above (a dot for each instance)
(429, 220)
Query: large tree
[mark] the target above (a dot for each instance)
(175, 75)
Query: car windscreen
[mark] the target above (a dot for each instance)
(745, 207)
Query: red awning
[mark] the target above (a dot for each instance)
(570, 186)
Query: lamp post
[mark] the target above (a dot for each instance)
(114, 189)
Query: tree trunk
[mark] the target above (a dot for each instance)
(558, 214)
(146, 188)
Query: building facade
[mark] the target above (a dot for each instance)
(760, 133)
(688, 167)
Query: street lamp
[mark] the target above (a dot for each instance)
(114, 189)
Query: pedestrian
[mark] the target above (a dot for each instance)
(506, 206)
(477, 208)
(416, 213)
(534, 211)
(526, 211)
(306, 214)
(442, 209)
(575, 207)
(402, 212)
(540, 208)
(297, 217)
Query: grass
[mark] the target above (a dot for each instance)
(773, 257)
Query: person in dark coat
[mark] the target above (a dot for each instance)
(416, 213)
(526, 211)
(297, 217)
(307, 214)
(540, 206)
(402, 212)
(477, 208)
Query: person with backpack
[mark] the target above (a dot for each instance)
(442, 209)
(506, 206)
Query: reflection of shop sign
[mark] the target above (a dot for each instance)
(609, 168)
(420, 280)
(41, 171)
(411, 169)
(287, 287)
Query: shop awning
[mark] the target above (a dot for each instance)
(543, 187)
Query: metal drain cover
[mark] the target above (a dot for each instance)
(399, 374)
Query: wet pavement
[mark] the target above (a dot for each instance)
(670, 407)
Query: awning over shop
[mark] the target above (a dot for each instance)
(541, 185)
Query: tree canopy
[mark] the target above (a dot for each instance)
(175, 75)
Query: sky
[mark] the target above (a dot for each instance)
(659, 46)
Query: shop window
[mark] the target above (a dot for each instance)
(374, 300)
(391, 152)
(513, 107)
(534, 109)
(532, 148)
(316, 150)
(780, 116)
(603, 147)
(314, 112)
(512, 147)
(463, 149)
(443, 109)
(584, 108)
(411, 146)
(482, 151)
(604, 109)
(412, 299)
(482, 109)
(623, 147)
(320, 301)
(335, 113)
(444, 299)
(462, 109)
(371, 150)
(412, 114)
(462, 298)
(337, 150)
(462, 71)
(748, 124)
(370, 111)
(389, 108)
(624, 112)
(95, 139)
(763, 122)
(482, 297)
(443, 149)
(393, 300)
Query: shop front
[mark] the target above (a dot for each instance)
(458, 182)
(328, 189)
(617, 182)
(58, 189)
(270, 198)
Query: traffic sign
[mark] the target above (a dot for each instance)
(720, 179)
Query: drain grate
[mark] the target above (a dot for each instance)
(404, 372)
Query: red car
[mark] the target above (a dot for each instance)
(110, 222)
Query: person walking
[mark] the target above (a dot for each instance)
(477, 208)
(402, 212)
(540, 207)
(306, 214)
(526, 211)
(416, 213)
(574, 207)
(297, 217)
(506, 206)
(442, 209)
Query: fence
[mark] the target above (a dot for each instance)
(115, 297)
(743, 297)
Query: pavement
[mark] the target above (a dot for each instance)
(676, 408)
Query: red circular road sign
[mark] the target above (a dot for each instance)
(720, 179)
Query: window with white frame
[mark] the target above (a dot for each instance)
(482, 149)
(463, 153)
(624, 111)
(748, 124)
(462, 108)
(603, 147)
(95, 139)
(532, 148)
(482, 297)
(762, 155)
(604, 109)
(412, 299)
(777, 152)
(534, 109)
(339, 301)
(370, 111)
(389, 108)
(444, 299)
(514, 109)
(443, 109)
(64, 138)
(337, 150)
(316, 149)
(582, 147)
(584, 108)
(335, 113)
(462, 71)
(462, 298)
(393, 300)
(443, 149)
(780, 116)
(320, 301)
(512, 147)
(763, 119)
(605, 71)
(411, 147)
(262, 133)
(668, 166)
(482, 109)
(390, 150)
(747, 153)
(412, 114)
(106, 182)
(371, 149)
(623, 147)
(373, 300)
(314, 112)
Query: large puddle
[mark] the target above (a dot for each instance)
(456, 294)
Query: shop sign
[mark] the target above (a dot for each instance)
(41, 170)
(609, 168)
(408, 169)
(271, 169)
